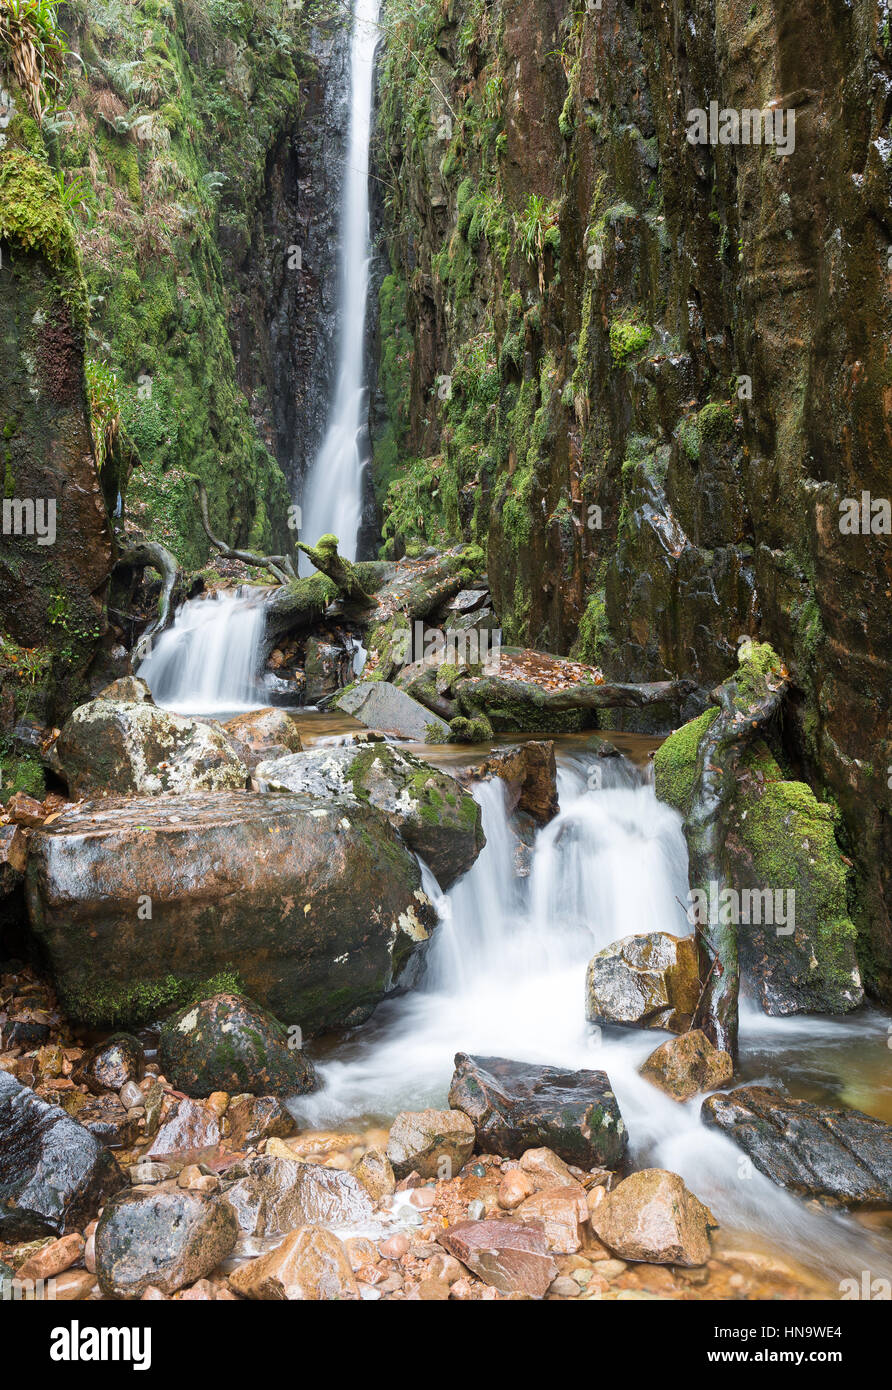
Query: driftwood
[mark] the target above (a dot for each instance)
(280, 566)
(153, 555)
(747, 704)
(343, 573)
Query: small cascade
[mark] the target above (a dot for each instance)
(207, 662)
(505, 977)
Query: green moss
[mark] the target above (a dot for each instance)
(676, 762)
(628, 336)
(110, 1005)
(33, 218)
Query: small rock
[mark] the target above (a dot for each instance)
(52, 1259)
(74, 1285)
(564, 1287)
(514, 1187)
(686, 1065)
(229, 1043)
(131, 1096)
(561, 1213)
(511, 1256)
(252, 1118)
(433, 1143)
(110, 1065)
(375, 1172)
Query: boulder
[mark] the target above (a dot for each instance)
(380, 705)
(228, 1043)
(647, 981)
(106, 1118)
(186, 1127)
(54, 1175)
(317, 905)
(311, 1263)
(273, 1195)
(111, 1064)
(263, 734)
(127, 690)
(252, 1118)
(327, 668)
(841, 1156)
(686, 1065)
(115, 749)
(432, 1143)
(530, 774)
(652, 1217)
(511, 1256)
(435, 816)
(516, 1106)
(165, 1239)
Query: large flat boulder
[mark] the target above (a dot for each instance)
(316, 905)
(516, 1106)
(646, 981)
(54, 1174)
(116, 748)
(842, 1156)
(435, 815)
(380, 705)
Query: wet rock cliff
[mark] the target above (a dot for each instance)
(646, 373)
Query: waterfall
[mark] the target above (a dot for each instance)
(332, 499)
(505, 977)
(206, 663)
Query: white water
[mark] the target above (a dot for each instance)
(206, 663)
(505, 977)
(332, 501)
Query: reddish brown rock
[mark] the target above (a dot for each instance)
(311, 1264)
(561, 1212)
(511, 1256)
(530, 775)
(652, 1217)
(186, 1127)
(686, 1065)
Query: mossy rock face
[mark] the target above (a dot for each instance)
(433, 813)
(781, 838)
(229, 1043)
(780, 844)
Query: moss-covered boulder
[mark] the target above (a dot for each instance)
(435, 816)
(116, 749)
(228, 1043)
(316, 906)
(778, 838)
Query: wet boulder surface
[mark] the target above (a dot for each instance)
(433, 813)
(111, 1064)
(516, 1106)
(228, 1043)
(116, 748)
(316, 905)
(163, 1240)
(53, 1172)
(646, 981)
(381, 705)
(840, 1156)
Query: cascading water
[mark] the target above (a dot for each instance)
(332, 500)
(505, 977)
(206, 663)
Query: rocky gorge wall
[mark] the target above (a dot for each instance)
(645, 374)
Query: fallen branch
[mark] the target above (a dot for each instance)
(152, 555)
(324, 555)
(278, 565)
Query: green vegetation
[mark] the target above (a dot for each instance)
(108, 1005)
(676, 761)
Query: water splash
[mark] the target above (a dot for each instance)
(332, 501)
